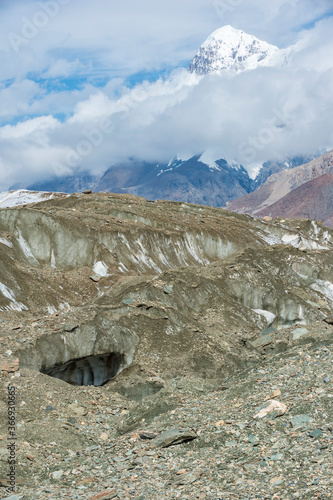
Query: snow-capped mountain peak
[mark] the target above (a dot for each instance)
(228, 49)
(209, 160)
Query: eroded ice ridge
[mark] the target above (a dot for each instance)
(14, 305)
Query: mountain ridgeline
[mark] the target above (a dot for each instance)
(192, 181)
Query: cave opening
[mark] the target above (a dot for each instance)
(91, 370)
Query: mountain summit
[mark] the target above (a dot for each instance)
(228, 49)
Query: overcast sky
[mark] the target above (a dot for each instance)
(86, 84)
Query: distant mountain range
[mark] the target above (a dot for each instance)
(192, 180)
(196, 180)
(63, 184)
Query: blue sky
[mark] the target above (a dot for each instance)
(66, 64)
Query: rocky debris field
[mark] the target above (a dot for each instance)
(82, 442)
(199, 367)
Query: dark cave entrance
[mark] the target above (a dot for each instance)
(90, 370)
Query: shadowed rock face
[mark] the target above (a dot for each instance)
(90, 355)
(92, 370)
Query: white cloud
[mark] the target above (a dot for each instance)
(40, 125)
(109, 38)
(276, 21)
(271, 112)
(121, 38)
(62, 68)
(16, 98)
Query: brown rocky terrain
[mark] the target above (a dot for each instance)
(304, 191)
(143, 338)
(314, 200)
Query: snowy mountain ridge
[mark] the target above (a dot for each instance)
(207, 159)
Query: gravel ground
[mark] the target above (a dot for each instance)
(232, 456)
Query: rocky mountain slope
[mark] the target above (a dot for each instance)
(233, 51)
(304, 191)
(147, 335)
(274, 167)
(313, 199)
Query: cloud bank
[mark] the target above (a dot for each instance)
(66, 105)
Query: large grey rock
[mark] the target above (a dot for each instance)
(298, 333)
(173, 437)
(300, 421)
